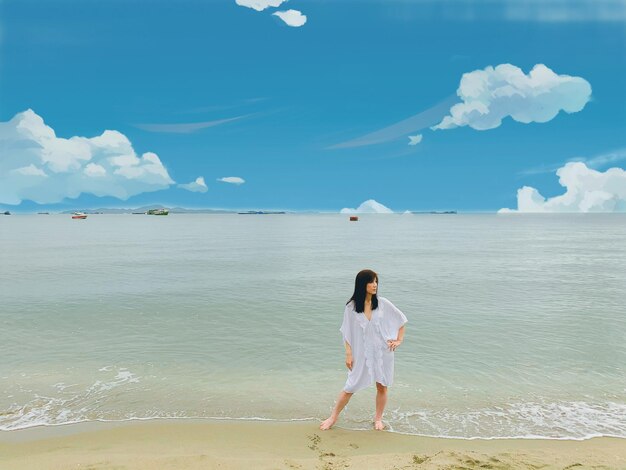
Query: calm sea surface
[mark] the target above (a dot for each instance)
(517, 323)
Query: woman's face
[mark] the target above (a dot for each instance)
(372, 287)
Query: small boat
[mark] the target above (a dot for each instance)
(354, 218)
(6, 213)
(158, 212)
(79, 215)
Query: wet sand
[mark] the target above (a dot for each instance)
(208, 444)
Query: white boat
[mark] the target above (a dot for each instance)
(158, 212)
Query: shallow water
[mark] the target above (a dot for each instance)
(517, 324)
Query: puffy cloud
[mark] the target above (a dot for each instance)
(586, 190)
(95, 170)
(232, 180)
(197, 186)
(37, 165)
(293, 18)
(490, 95)
(368, 207)
(415, 139)
(259, 5)
(30, 170)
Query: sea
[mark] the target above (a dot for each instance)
(517, 322)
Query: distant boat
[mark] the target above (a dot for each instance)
(6, 213)
(354, 218)
(43, 213)
(158, 212)
(79, 215)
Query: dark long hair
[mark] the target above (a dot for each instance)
(360, 290)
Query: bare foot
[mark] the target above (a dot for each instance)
(378, 425)
(326, 425)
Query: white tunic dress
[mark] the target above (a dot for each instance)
(373, 361)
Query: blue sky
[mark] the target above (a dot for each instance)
(272, 104)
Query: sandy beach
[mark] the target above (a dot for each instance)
(207, 444)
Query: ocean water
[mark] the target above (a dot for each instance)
(517, 323)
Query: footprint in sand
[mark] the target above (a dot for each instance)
(328, 460)
(418, 459)
(315, 440)
(292, 464)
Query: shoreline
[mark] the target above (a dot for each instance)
(233, 444)
(48, 429)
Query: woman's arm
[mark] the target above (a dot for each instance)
(400, 334)
(394, 343)
(349, 360)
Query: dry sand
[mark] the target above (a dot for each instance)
(204, 444)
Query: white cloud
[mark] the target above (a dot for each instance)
(185, 127)
(39, 166)
(95, 170)
(490, 95)
(417, 122)
(564, 11)
(368, 207)
(30, 170)
(197, 186)
(605, 158)
(293, 18)
(550, 11)
(586, 190)
(415, 139)
(595, 162)
(259, 5)
(232, 180)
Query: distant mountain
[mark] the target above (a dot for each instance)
(368, 207)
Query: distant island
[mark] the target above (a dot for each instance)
(175, 210)
(182, 210)
(146, 209)
(261, 212)
(433, 212)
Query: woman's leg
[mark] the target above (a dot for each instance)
(342, 401)
(381, 401)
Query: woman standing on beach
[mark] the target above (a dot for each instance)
(372, 329)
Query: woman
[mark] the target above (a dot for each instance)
(372, 330)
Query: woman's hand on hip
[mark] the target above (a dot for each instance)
(349, 361)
